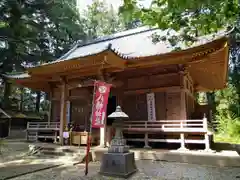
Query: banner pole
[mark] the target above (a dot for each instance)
(89, 134)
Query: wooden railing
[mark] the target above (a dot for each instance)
(47, 130)
(181, 127)
(190, 126)
(43, 126)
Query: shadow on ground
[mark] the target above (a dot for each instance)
(21, 167)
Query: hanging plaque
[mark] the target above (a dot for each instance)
(151, 107)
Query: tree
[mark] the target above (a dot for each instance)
(34, 32)
(192, 18)
(100, 20)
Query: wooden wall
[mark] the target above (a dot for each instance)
(167, 106)
(173, 105)
(136, 84)
(80, 99)
(189, 96)
(153, 81)
(161, 105)
(135, 105)
(55, 111)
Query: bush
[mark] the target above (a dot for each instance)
(228, 127)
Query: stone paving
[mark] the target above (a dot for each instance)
(148, 170)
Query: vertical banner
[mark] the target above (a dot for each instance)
(99, 107)
(151, 107)
(100, 101)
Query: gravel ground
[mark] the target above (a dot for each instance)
(12, 150)
(148, 170)
(159, 170)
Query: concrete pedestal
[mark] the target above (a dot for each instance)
(118, 164)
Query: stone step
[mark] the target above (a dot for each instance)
(51, 153)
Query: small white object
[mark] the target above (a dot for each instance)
(66, 135)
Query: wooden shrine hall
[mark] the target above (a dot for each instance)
(153, 83)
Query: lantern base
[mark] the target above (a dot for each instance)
(118, 164)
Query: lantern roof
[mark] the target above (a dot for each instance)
(118, 114)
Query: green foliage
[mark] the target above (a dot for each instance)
(192, 18)
(99, 20)
(228, 113)
(226, 138)
(228, 100)
(229, 125)
(36, 31)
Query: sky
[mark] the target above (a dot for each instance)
(82, 4)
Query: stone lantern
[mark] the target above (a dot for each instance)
(118, 161)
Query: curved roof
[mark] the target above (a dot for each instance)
(132, 44)
(206, 59)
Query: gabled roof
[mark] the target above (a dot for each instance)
(132, 44)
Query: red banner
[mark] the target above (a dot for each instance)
(100, 102)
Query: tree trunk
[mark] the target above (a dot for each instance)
(38, 101)
(21, 100)
(7, 93)
(212, 104)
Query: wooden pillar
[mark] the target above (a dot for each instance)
(50, 107)
(63, 111)
(183, 110)
(102, 136)
(182, 139)
(206, 135)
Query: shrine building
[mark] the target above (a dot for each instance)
(152, 81)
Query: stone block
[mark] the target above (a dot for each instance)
(118, 149)
(118, 164)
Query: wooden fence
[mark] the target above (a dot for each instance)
(181, 127)
(46, 130)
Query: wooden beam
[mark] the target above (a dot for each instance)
(160, 89)
(80, 83)
(157, 75)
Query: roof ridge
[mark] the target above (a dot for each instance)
(98, 40)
